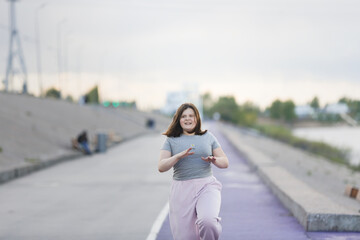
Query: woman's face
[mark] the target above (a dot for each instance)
(188, 120)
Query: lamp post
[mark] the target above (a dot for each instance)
(67, 36)
(38, 51)
(59, 55)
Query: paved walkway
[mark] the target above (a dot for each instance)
(249, 209)
(114, 195)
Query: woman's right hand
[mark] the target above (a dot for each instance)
(185, 153)
(167, 161)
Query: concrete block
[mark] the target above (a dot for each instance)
(351, 191)
(348, 190)
(354, 192)
(314, 211)
(7, 175)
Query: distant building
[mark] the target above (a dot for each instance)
(176, 98)
(304, 111)
(173, 101)
(336, 108)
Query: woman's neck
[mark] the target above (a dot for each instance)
(188, 134)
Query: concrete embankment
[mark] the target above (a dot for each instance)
(36, 133)
(311, 187)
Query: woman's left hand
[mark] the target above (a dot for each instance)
(210, 159)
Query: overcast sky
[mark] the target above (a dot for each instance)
(256, 50)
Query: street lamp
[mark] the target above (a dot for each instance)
(65, 52)
(59, 52)
(38, 51)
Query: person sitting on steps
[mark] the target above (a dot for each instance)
(83, 142)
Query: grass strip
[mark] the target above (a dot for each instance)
(332, 153)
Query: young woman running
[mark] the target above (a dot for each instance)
(195, 195)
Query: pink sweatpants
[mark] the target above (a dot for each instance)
(194, 209)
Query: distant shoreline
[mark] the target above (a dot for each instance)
(308, 123)
(342, 136)
(312, 124)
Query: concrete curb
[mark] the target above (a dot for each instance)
(314, 211)
(24, 170)
(20, 171)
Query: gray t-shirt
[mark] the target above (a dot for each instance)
(192, 166)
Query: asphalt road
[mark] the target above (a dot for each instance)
(116, 195)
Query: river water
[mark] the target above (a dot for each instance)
(343, 137)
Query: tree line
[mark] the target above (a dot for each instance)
(91, 97)
(246, 114)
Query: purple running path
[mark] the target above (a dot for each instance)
(249, 210)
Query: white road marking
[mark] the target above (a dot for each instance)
(158, 223)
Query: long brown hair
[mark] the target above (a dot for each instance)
(175, 129)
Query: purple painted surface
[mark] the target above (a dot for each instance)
(249, 210)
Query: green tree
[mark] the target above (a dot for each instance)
(345, 100)
(248, 114)
(207, 104)
(283, 110)
(276, 109)
(69, 98)
(288, 111)
(315, 103)
(92, 96)
(354, 106)
(53, 93)
(228, 109)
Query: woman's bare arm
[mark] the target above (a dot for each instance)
(218, 158)
(167, 161)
